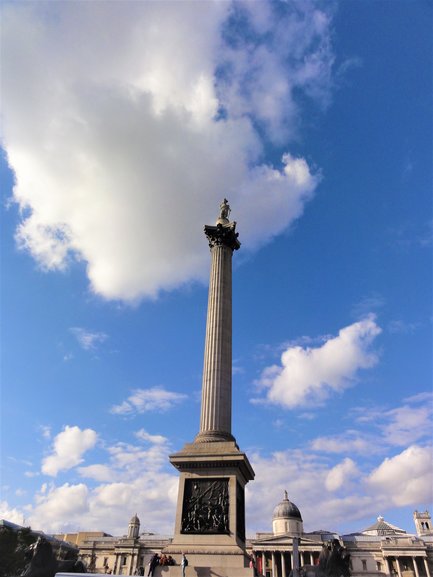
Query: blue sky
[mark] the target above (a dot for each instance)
(123, 127)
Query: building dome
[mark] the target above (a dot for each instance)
(286, 509)
(134, 520)
(287, 518)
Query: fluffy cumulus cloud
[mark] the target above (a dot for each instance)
(132, 477)
(12, 514)
(325, 493)
(68, 449)
(309, 375)
(341, 474)
(153, 399)
(405, 478)
(67, 502)
(125, 125)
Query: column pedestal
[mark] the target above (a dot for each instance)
(210, 514)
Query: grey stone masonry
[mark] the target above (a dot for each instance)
(216, 404)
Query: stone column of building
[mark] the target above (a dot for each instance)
(398, 567)
(283, 565)
(388, 565)
(415, 566)
(274, 565)
(216, 405)
(427, 571)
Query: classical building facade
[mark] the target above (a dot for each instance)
(380, 550)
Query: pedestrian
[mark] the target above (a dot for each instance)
(184, 564)
(153, 563)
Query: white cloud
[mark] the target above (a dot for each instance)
(406, 478)
(134, 479)
(68, 449)
(381, 429)
(371, 302)
(311, 482)
(309, 375)
(11, 514)
(138, 478)
(88, 340)
(126, 124)
(341, 474)
(408, 424)
(100, 473)
(57, 507)
(156, 399)
(399, 426)
(129, 460)
(155, 439)
(45, 431)
(350, 441)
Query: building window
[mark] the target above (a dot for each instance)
(124, 560)
(105, 561)
(379, 565)
(364, 565)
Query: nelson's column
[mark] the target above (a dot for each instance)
(210, 516)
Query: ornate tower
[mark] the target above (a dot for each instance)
(423, 523)
(210, 516)
(134, 527)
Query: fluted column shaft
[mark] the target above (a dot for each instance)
(216, 403)
(217, 371)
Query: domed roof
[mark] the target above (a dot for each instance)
(382, 527)
(134, 520)
(286, 509)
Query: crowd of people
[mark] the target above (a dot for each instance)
(159, 560)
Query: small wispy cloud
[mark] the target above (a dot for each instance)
(382, 428)
(153, 439)
(88, 340)
(402, 327)
(155, 399)
(349, 442)
(45, 431)
(408, 424)
(411, 236)
(368, 304)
